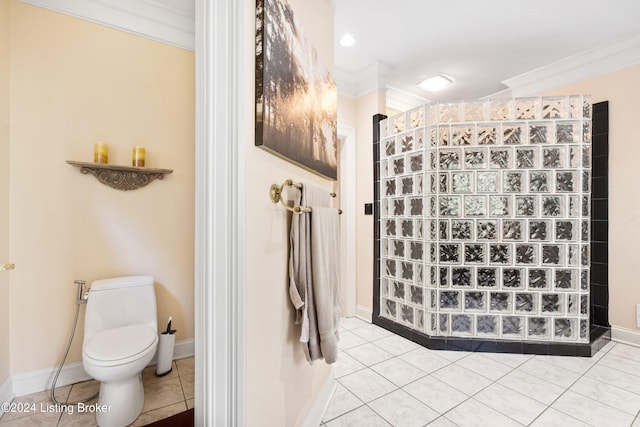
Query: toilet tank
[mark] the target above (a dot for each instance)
(121, 301)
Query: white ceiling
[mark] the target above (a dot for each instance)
(479, 43)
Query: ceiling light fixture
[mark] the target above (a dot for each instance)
(347, 40)
(435, 83)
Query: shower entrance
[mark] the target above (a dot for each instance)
(485, 214)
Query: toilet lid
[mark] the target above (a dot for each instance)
(120, 343)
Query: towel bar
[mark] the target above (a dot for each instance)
(275, 194)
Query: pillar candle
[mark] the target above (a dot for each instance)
(101, 152)
(138, 157)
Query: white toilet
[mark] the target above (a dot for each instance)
(120, 339)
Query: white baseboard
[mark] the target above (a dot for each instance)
(71, 373)
(625, 336)
(365, 313)
(314, 418)
(6, 393)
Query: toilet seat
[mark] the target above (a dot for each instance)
(119, 346)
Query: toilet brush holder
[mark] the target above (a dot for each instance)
(165, 353)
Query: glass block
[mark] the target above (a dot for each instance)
(390, 187)
(513, 230)
(461, 230)
(443, 182)
(500, 254)
(551, 303)
(444, 277)
(419, 136)
(587, 107)
(586, 132)
(487, 135)
(474, 253)
(416, 163)
(407, 185)
(390, 268)
(539, 182)
(512, 278)
(586, 156)
(565, 181)
(501, 110)
(433, 230)
(397, 248)
(390, 227)
(449, 206)
(418, 276)
(419, 229)
(541, 133)
(416, 117)
(416, 250)
(487, 325)
(526, 254)
(572, 304)
(432, 182)
(449, 160)
(500, 301)
(417, 206)
(450, 112)
(486, 277)
(473, 111)
(449, 300)
(419, 184)
(443, 323)
(461, 277)
(554, 107)
(576, 106)
(538, 279)
(487, 230)
(461, 324)
(474, 159)
(461, 135)
(444, 136)
(450, 253)
(433, 136)
(538, 327)
(584, 280)
(564, 328)
(398, 207)
(568, 132)
(513, 135)
(406, 143)
(462, 182)
(475, 206)
(552, 206)
(499, 206)
(398, 165)
(390, 308)
(566, 230)
(406, 314)
(573, 256)
(487, 182)
(407, 227)
(539, 230)
(526, 303)
(398, 123)
(527, 108)
(585, 206)
(525, 158)
(407, 270)
(500, 158)
(416, 295)
(398, 291)
(552, 157)
(584, 305)
(526, 206)
(584, 255)
(418, 323)
(384, 128)
(512, 182)
(433, 277)
(584, 330)
(565, 279)
(433, 209)
(551, 254)
(433, 163)
(443, 229)
(390, 147)
(512, 325)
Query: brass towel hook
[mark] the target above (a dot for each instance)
(275, 194)
(4, 267)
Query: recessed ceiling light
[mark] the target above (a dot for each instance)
(435, 83)
(347, 40)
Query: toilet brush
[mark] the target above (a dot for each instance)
(165, 350)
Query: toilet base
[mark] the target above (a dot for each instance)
(120, 403)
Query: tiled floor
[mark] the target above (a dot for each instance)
(163, 397)
(383, 379)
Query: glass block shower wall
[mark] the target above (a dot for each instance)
(484, 219)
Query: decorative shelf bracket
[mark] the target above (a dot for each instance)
(121, 177)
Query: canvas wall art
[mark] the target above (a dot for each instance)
(296, 98)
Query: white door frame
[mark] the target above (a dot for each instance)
(219, 215)
(347, 190)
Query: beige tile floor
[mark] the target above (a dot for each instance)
(163, 397)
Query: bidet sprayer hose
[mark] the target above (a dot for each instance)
(79, 300)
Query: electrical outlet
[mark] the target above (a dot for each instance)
(638, 315)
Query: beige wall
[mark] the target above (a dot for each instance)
(622, 91)
(75, 82)
(4, 188)
(280, 385)
(358, 112)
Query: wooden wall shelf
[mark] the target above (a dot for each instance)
(121, 177)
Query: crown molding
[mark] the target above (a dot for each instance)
(373, 77)
(171, 22)
(402, 100)
(588, 64)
